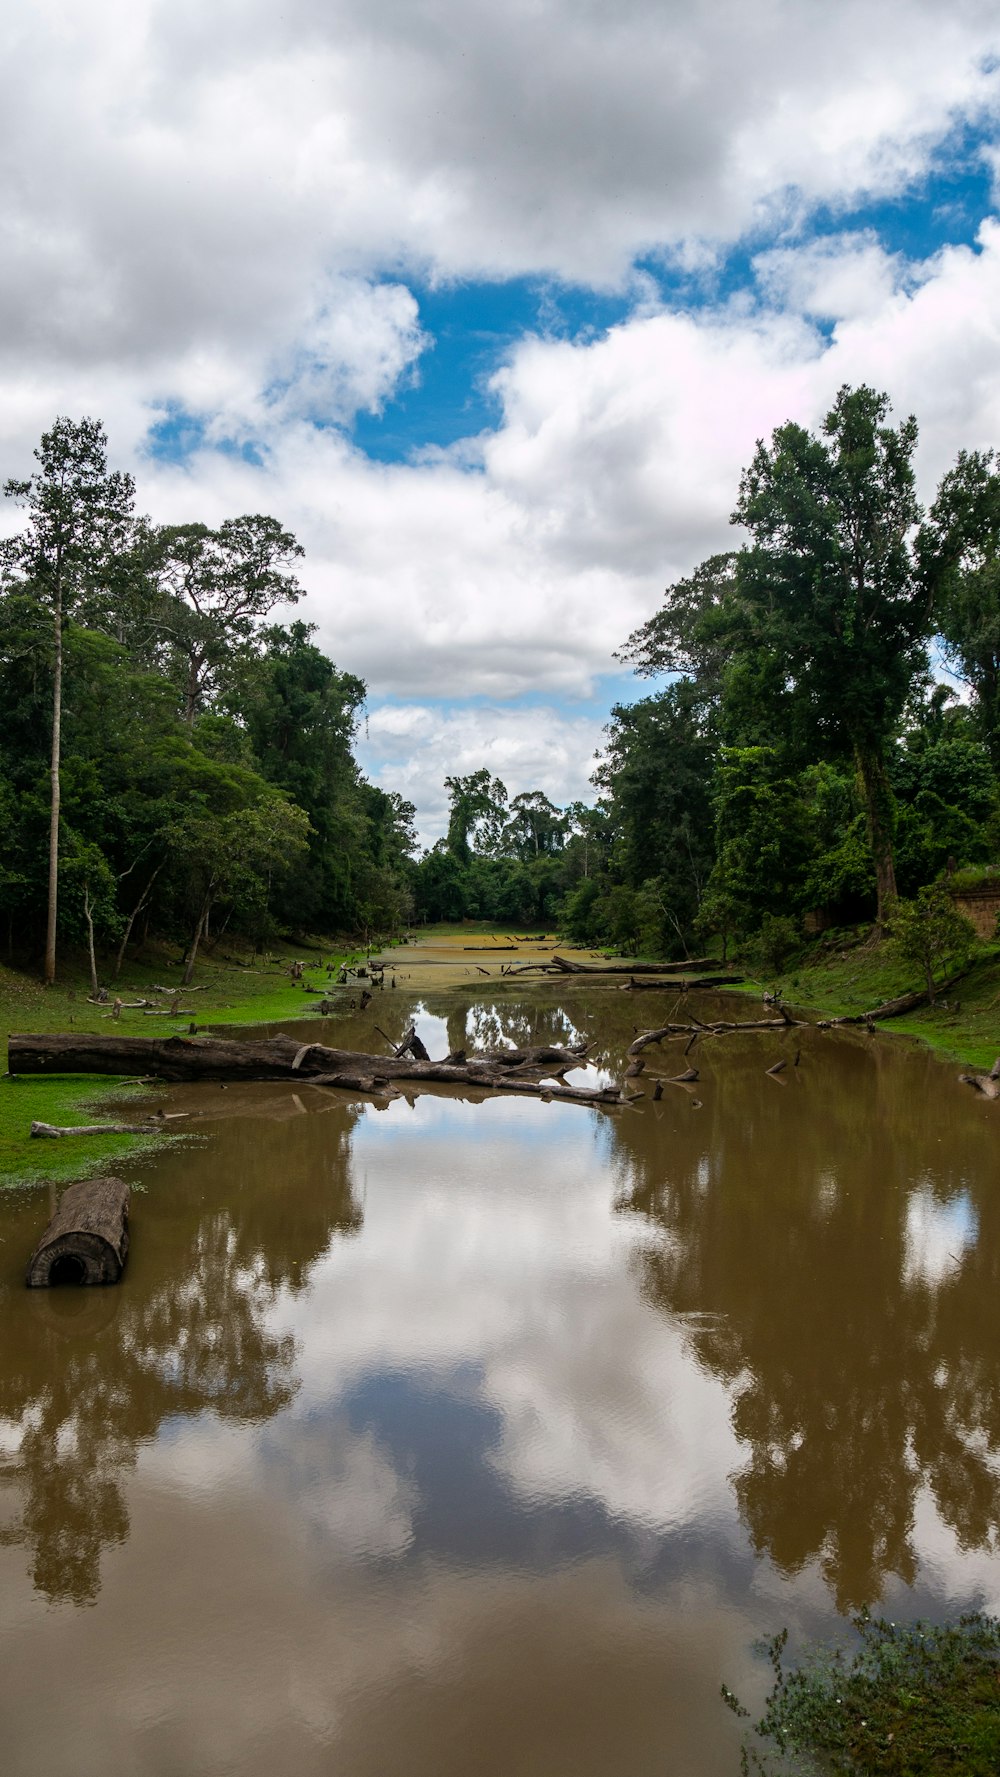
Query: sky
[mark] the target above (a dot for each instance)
(490, 305)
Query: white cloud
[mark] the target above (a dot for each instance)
(219, 210)
(414, 747)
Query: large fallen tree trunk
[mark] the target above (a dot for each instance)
(87, 1239)
(533, 1071)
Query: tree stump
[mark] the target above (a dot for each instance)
(86, 1241)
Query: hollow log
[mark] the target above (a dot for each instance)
(276, 1058)
(86, 1242)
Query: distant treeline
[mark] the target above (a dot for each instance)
(173, 762)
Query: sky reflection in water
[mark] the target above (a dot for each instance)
(503, 1425)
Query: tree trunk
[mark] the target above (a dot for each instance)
(880, 814)
(188, 974)
(95, 986)
(532, 1071)
(133, 916)
(50, 933)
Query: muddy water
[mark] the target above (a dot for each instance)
(461, 1437)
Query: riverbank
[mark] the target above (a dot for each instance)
(227, 990)
(964, 1025)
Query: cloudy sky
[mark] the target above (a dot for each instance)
(489, 304)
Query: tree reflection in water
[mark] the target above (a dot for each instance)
(88, 1377)
(858, 1375)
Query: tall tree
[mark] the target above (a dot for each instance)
(79, 518)
(477, 802)
(831, 586)
(216, 588)
(960, 549)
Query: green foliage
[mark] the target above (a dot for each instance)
(207, 763)
(960, 551)
(914, 1700)
(778, 938)
(930, 934)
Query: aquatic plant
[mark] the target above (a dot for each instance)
(913, 1700)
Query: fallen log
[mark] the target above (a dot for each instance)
(568, 966)
(274, 1058)
(53, 1131)
(696, 1028)
(86, 1242)
(904, 1002)
(683, 983)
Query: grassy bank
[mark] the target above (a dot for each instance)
(964, 1025)
(230, 989)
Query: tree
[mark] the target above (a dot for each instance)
(234, 857)
(79, 518)
(216, 587)
(477, 812)
(534, 825)
(960, 551)
(929, 932)
(831, 586)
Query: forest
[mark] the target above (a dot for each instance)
(176, 764)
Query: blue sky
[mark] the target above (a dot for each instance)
(490, 308)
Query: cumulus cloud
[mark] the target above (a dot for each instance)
(414, 747)
(219, 215)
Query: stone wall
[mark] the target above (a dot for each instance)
(980, 907)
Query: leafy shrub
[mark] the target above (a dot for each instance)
(777, 939)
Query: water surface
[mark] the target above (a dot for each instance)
(461, 1436)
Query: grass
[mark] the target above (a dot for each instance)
(917, 1700)
(233, 993)
(964, 1025)
(831, 980)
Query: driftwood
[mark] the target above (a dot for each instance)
(986, 1084)
(695, 1028)
(532, 1070)
(53, 1131)
(682, 983)
(87, 1238)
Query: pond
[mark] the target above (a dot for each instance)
(455, 1436)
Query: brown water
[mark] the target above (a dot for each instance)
(460, 1437)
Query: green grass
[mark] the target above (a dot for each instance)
(234, 993)
(964, 1025)
(66, 1100)
(917, 1700)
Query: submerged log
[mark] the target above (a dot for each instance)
(275, 1058)
(86, 1241)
